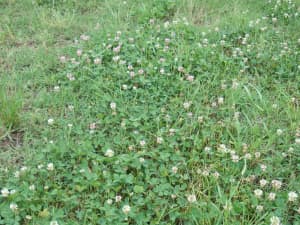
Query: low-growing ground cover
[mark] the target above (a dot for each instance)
(186, 112)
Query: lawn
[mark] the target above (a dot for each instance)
(181, 112)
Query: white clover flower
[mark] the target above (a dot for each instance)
(141, 71)
(223, 148)
(17, 174)
(97, 61)
(73, 61)
(118, 198)
(293, 99)
(40, 166)
(235, 158)
(207, 149)
(173, 196)
(223, 86)
(50, 166)
(186, 105)
(180, 69)
(220, 100)
(258, 193)
(109, 153)
(166, 24)
(248, 156)
(263, 167)
(23, 168)
(142, 143)
(251, 178)
(79, 52)
(272, 196)
(200, 119)
(13, 207)
(172, 131)
(205, 172)
(119, 33)
(28, 217)
(93, 126)
(123, 123)
(232, 180)
(275, 220)
(117, 49)
(162, 60)
(279, 132)
(32, 187)
(142, 160)
(259, 208)
(159, 140)
(276, 184)
(205, 41)
(191, 198)
(132, 74)
(227, 206)
(50, 121)
(190, 114)
(122, 62)
(126, 209)
(116, 58)
(174, 169)
(54, 222)
(113, 105)
(109, 201)
(84, 38)
(5, 192)
(56, 88)
(63, 59)
(257, 154)
(70, 77)
(297, 141)
(190, 78)
(235, 84)
(216, 175)
(263, 182)
(12, 191)
(292, 196)
(236, 115)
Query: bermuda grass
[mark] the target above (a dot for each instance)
(150, 112)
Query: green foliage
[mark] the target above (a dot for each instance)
(10, 105)
(164, 122)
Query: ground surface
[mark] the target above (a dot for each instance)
(149, 112)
